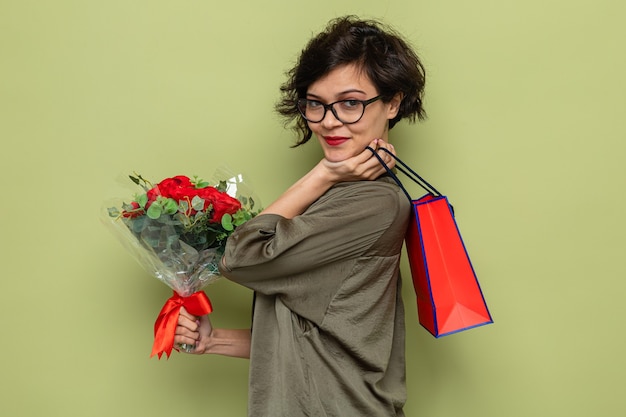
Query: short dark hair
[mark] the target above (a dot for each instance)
(387, 59)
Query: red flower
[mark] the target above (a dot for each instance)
(222, 203)
(180, 188)
(177, 188)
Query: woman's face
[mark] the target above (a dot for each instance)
(341, 141)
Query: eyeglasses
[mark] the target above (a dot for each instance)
(346, 111)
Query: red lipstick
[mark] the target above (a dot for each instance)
(335, 140)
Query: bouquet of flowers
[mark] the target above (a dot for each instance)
(177, 230)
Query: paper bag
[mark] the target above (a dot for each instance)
(449, 297)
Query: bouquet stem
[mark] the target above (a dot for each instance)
(185, 347)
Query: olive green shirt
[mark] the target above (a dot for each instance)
(328, 322)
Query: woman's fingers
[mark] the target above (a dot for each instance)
(373, 166)
(187, 320)
(191, 325)
(187, 330)
(185, 313)
(387, 159)
(364, 166)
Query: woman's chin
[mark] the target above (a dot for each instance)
(336, 155)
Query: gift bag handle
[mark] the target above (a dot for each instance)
(406, 170)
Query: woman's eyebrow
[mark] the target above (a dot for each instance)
(341, 93)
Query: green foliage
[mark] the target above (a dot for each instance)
(164, 222)
(161, 206)
(142, 200)
(222, 186)
(199, 182)
(140, 181)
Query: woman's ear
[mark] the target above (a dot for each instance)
(394, 105)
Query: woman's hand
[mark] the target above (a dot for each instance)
(192, 330)
(198, 332)
(364, 166)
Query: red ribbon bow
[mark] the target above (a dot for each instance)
(197, 304)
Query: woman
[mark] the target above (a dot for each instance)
(323, 259)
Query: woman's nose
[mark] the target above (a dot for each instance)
(330, 120)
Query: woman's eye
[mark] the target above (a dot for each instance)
(314, 104)
(350, 104)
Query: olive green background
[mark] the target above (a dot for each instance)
(526, 135)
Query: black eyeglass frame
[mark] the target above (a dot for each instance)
(330, 107)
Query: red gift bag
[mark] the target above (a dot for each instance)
(449, 298)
